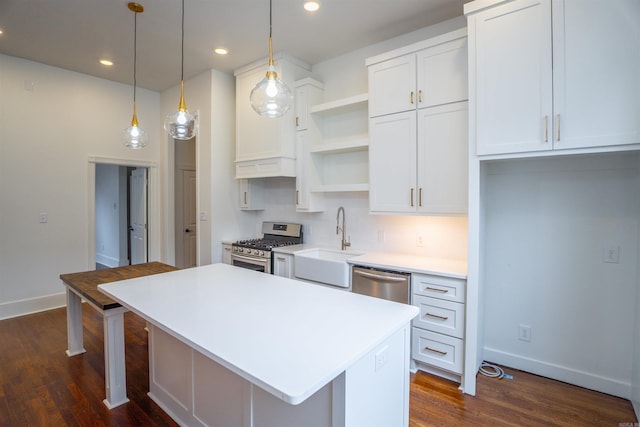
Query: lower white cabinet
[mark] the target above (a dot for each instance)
(437, 336)
(283, 265)
(226, 253)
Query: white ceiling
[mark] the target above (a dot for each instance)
(74, 34)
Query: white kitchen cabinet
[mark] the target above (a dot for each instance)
(434, 72)
(308, 92)
(419, 168)
(251, 194)
(283, 265)
(554, 74)
(226, 253)
(418, 156)
(265, 147)
(437, 343)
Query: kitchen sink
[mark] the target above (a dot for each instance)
(324, 266)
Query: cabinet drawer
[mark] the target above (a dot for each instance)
(438, 350)
(438, 287)
(441, 316)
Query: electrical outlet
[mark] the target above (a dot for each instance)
(419, 240)
(524, 333)
(611, 254)
(43, 217)
(381, 358)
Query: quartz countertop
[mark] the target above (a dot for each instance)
(288, 337)
(393, 261)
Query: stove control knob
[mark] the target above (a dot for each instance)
(255, 252)
(240, 249)
(261, 253)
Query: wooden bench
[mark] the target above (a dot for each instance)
(84, 285)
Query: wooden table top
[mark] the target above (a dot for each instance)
(86, 283)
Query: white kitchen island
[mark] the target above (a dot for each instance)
(233, 347)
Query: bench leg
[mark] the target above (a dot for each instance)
(115, 378)
(75, 344)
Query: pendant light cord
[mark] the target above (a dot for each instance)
(270, 17)
(135, 52)
(182, 47)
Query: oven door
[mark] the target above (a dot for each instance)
(256, 264)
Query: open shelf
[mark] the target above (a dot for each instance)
(339, 188)
(344, 145)
(341, 106)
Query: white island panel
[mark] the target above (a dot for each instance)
(287, 337)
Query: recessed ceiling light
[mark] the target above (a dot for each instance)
(311, 5)
(0, 31)
(106, 62)
(221, 50)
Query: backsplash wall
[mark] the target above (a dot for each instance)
(442, 237)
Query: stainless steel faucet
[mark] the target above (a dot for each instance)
(345, 243)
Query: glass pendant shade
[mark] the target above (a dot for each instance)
(181, 124)
(271, 98)
(134, 136)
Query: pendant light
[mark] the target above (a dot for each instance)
(134, 136)
(271, 98)
(181, 124)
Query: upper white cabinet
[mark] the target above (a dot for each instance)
(554, 74)
(418, 140)
(265, 147)
(251, 194)
(434, 75)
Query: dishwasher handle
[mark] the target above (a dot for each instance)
(379, 276)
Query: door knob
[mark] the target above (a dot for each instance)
(188, 230)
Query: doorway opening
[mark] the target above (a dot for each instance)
(121, 215)
(185, 204)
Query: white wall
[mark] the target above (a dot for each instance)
(547, 223)
(46, 138)
(344, 76)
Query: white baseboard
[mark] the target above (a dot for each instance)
(109, 261)
(32, 305)
(561, 373)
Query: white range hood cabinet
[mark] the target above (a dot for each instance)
(266, 147)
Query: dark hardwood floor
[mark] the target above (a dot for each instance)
(41, 386)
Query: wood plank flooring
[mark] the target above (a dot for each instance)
(41, 386)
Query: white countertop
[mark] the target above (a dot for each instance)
(288, 337)
(413, 264)
(394, 261)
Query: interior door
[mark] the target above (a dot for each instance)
(138, 215)
(189, 219)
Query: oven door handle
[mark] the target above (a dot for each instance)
(246, 258)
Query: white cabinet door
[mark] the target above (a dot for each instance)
(251, 194)
(442, 159)
(226, 253)
(442, 74)
(392, 163)
(283, 265)
(306, 201)
(513, 77)
(392, 86)
(596, 73)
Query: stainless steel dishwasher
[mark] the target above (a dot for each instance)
(390, 285)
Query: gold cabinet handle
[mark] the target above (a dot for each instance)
(546, 128)
(411, 196)
(444, 291)
(297, 121)
(443, 353)
(435, 316)
(558, 127)
(420, 96)
(420, 197)
(280, 258)
(411, 97)
(297, 197)
(245, 197)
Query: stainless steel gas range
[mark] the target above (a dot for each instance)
(256, 254)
